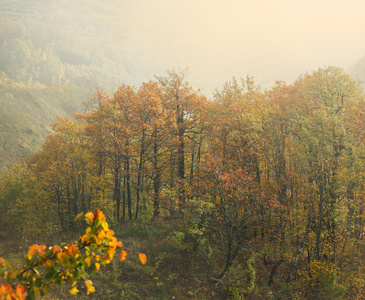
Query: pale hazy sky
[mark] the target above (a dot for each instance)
(269, 39)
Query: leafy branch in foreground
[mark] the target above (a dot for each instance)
(44, 266)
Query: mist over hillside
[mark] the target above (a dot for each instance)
(106, 43)
(48, 41)
(58, 52)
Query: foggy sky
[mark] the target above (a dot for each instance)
(268, 39)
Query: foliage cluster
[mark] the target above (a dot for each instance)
(263, 191)
(44, 266)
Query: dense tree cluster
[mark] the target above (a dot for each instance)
(278, 173)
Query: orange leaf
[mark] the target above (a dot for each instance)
(71, 250)
(142, 258)
(32, 251)
(20, 292)
(89, 217)
(42, 248)
(123, 256)
(6, 289)
(113, 242)
(56, 249)
(100, 215)
(10, 289)
(3, 262)
(3, 289)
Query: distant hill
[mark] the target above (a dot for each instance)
(52, 56)
(81, 42)
(358, 70)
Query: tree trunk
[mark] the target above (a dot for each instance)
(139, 176)
(129, 199)
(156, 179)
(116, 194)
(181, 156)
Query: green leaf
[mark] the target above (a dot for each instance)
(50, 274)
(10, 265)
(38, 282)
(97, 223)
(30, 296)
(91, 270)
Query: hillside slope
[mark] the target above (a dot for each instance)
(51, 59)
(26, 112)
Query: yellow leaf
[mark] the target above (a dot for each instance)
(89, 286)
(123, 256)
(61, 256)
(88, 261)
(101, 234)
(109, 233)
(79, 216)
(97, 266)
(14, 274)
(74, 290)
(142, 258)
(105, 225)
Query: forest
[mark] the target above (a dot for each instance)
(250, 195)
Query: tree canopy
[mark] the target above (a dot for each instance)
(273, 180)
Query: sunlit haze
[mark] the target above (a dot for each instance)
(270, 40)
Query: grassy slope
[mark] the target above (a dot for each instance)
(26, 113)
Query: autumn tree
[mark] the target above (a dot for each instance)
(188, 107)
(235, 122)
(279, 179)
(234, 214)
(154, 121)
